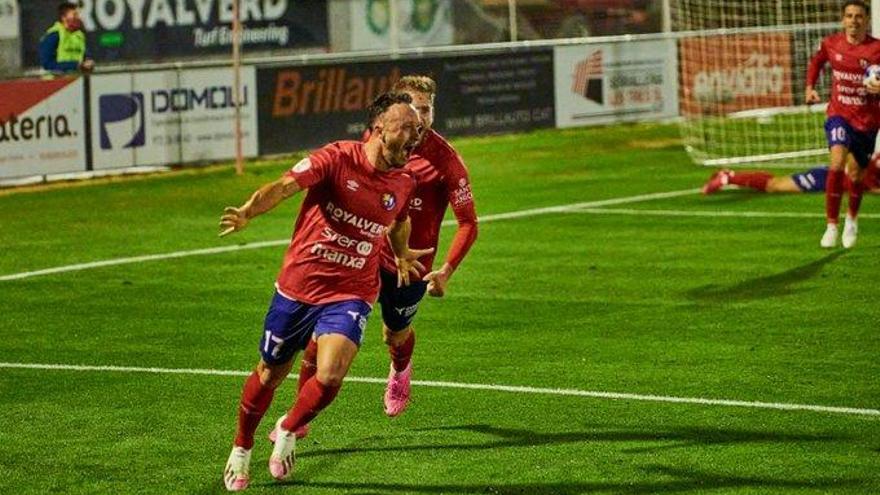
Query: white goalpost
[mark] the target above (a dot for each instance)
(742, 66)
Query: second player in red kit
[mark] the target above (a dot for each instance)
(442, 182)
(853, 111)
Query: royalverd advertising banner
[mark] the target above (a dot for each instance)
(152, 30)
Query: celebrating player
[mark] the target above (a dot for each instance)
(329, 278)
(809, 181)
(851, 127)
(442, 180)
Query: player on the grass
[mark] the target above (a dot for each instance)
(330, 275)
(809, 181)
(442, 180)
(853, 120)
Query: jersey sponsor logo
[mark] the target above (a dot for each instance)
(463, 194)
(416, 204)
(389, 201)
(302, 166)
(363, 248)
(367, 227)
(338, 257)
(840, 75)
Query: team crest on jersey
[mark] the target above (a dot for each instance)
(388, 201)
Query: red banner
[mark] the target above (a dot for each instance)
(724, 74)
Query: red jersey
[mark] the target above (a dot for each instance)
(849, 98)
(442, 181)
(339, 233)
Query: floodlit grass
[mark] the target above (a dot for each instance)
(733, 308)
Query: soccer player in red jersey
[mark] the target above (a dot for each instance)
(357, 192)
(853, 113)
(442, 181)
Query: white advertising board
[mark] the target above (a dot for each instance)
(9, 19)
(42, 127)
(170, 117)
(420, 23)
(614, 82)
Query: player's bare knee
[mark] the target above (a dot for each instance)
(331, 377)
(272, 375)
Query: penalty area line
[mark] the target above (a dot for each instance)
(283, 242)
(475, 386)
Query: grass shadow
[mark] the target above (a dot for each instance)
(777, 285)
(515, 438)
(683, 481)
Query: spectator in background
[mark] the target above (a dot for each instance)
(63, 47)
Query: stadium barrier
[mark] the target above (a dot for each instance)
(176, 114)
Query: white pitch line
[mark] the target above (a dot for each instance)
(705, 213)
(476, 386)
(283, 242)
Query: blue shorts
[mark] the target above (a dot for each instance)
(859, 143)
(399, 304)
(290, 324)
(812, 180)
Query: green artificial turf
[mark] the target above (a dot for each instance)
(634, 298)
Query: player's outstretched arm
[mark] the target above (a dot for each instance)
(407, 259)
(263, 200)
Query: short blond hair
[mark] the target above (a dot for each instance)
(421, 84)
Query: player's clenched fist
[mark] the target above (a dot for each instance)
(233, 220)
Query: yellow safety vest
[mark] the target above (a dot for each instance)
(71, 46)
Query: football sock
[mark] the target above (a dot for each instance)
(754, 180)
(309, 364)
(833, 194)
(402, 354)
(255, 400)
(855, 197)
(312, 399)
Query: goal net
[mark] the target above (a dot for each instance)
(743, 70)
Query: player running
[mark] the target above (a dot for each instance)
(442, 180)
(809, 181)
(853, 120)
(329, 278)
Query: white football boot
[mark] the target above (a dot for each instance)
(829, 238)
(236, 475)
(284, 453)
(850, 232)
